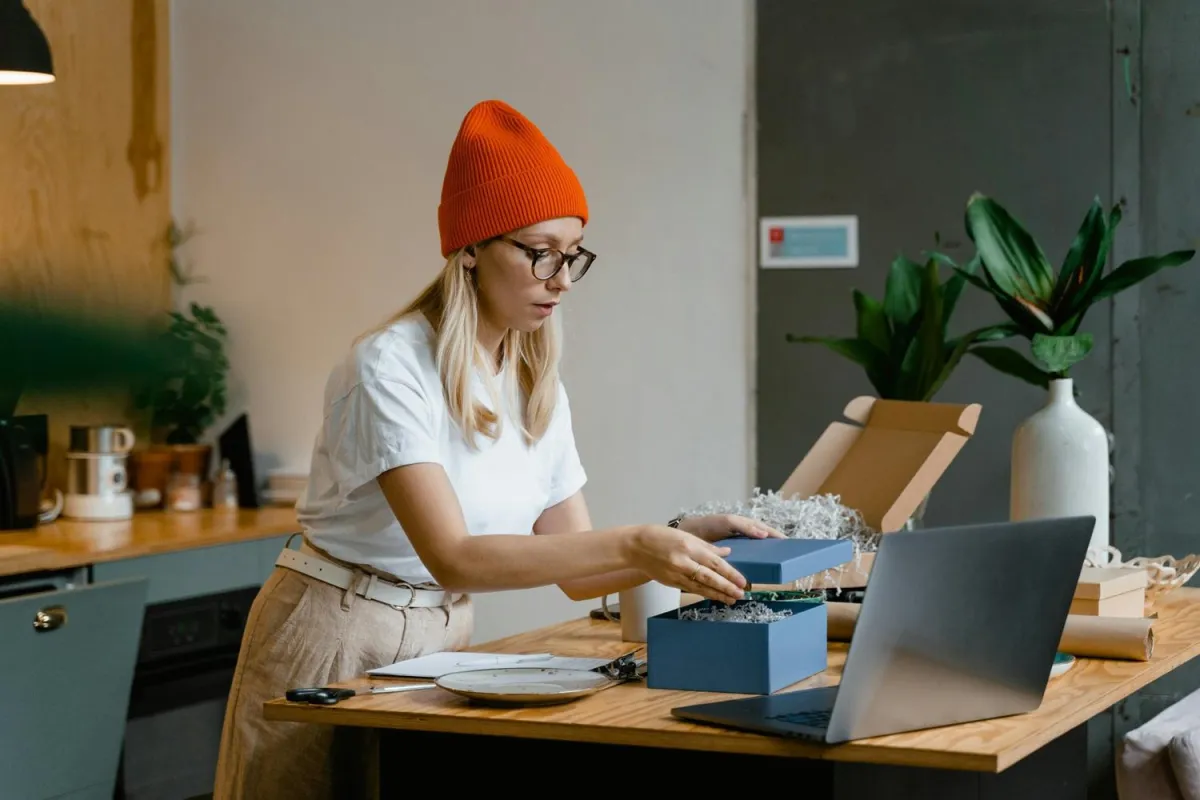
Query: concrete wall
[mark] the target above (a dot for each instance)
(897, 112)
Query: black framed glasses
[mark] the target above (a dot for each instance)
(546, 262)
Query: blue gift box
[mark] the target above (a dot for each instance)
(785, 560)
(748, 657)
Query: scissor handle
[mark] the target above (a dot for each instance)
(324, 695)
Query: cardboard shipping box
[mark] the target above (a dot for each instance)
(883, 463)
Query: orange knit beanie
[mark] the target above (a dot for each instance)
(503, 175)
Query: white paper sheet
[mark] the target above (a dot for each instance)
(434, 665)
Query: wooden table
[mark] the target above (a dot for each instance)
(629, 727)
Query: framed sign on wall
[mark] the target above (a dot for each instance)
(808, 242)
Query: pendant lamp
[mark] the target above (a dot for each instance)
(24, 51)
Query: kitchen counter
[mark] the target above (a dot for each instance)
(67, 544)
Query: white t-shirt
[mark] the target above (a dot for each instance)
(384, 408)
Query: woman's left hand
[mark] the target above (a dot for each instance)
(714, 527)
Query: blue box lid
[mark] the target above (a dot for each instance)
(784, 560)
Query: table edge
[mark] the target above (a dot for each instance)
(1067, 722)
(48, 558)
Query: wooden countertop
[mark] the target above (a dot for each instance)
(632, 714)
(66, 544)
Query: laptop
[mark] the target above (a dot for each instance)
(957, 624)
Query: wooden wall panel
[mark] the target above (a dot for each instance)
(85, 190)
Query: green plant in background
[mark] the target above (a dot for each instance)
(902, 341)
(59, 348)
(176, 237)
(192, 396)
(1048, 308)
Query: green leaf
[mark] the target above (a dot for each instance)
(1110, 229)
(1137, 270)
(859, 351)
(186, 400)
(1070, 317)
(930, 338)
(1030, 320)
(1010, 362)
(1008, 251)
(907, 384)
(952, 288)
(1059, 353)
(952, 358)
(1082, 258)
(872, 322)
(976, 280)
(902, 291)
(992, 333)
(956, 348)
(195, 389)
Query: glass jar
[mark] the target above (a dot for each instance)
(183, 492)
(225, 488)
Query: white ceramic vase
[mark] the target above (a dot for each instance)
(1060, 464)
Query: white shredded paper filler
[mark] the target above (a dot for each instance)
(821, 516)
(753, 611)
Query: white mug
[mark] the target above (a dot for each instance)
(639, 604)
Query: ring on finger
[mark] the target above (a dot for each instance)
(696, 575)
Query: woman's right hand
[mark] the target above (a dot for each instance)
(677, 558)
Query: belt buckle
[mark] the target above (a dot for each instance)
(412, 595)
(374, 580)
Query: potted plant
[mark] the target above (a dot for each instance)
(1060, 463)
(193, 395)
(903, 342)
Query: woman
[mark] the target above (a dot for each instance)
(446, 441)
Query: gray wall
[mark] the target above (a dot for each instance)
(897, 111)
(1166, 372)
(1156, 384)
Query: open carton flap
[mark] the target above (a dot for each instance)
(885, 465)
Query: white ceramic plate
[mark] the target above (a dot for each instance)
(524, 686)
(1062, 663)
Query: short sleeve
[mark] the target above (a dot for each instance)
(567, 475)
(386, 420)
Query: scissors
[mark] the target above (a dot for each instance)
(330, 695)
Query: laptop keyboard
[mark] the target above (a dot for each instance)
(810, 719)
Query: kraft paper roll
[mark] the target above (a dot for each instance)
(1126, 638)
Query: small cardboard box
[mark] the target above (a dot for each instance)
(748, 657)
(883, 464)
(1111, 592)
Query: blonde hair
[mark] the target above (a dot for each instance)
(451, 305)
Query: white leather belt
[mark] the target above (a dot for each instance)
(369, 586)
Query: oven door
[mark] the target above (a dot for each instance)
(185, 664)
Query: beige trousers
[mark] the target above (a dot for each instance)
(304, 632)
